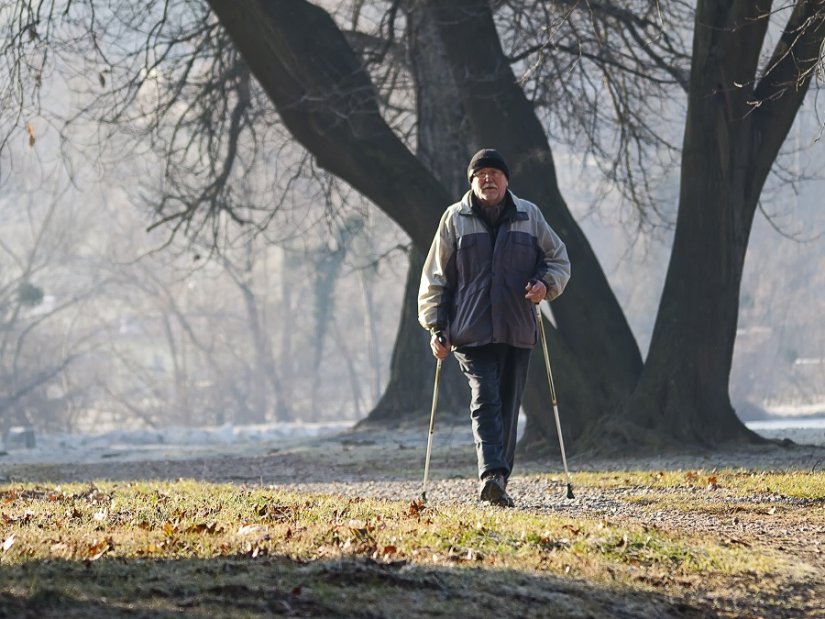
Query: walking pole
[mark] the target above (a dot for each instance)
(553, 399)
(432, 426)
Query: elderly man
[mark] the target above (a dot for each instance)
(493, 257)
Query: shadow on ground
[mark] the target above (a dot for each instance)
(277, 586)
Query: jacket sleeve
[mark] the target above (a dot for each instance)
(438, 278)
(554, 270)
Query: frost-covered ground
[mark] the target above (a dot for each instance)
(173, 443)
(803, 430)
(177, 443)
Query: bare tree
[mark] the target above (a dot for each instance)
(740, 109)
(330, 101)
(37, 293)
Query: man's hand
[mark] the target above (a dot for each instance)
(535, 291)
(440, 345)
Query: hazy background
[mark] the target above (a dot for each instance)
(115, 326)
(108, 324)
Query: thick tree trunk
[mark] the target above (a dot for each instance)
(440, 137)
(328, 103)
(326, 100)
(729, 147)
(573, 393)
(412, 370)
(595, 352)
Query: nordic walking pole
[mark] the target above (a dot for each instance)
(553, 399)
(432, 426)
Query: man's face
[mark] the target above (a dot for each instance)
(489, 186)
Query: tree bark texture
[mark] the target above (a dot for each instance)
(327, 101)
(441, 146)
(736, 122)
(412, 369)
(595, 352)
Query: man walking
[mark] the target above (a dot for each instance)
(493, 256)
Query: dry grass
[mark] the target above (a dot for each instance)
(204, 549)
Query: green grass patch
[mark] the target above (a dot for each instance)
(736, 482)
(158, 548)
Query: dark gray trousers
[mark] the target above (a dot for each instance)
(497, 374)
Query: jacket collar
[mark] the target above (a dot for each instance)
(467, 203)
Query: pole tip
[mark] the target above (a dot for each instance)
(570, 494)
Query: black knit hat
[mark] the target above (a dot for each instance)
(487, 158)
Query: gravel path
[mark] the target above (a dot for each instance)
(389, 465)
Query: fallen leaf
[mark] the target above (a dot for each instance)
(416, 507)
(258, 550)
(8, 543)
(99, 548)
(473, 555)
(204, 527)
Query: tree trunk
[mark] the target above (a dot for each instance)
(596, 354)
(346, 359)
(287, 326)
(317, 81)
(264, 373)
(729, 147)
(328, 103)
(412, 369)
(440, 147)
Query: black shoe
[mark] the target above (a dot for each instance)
(493, 490)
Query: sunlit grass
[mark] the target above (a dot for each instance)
(737, 482)
(176, 540)
(198, 520)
